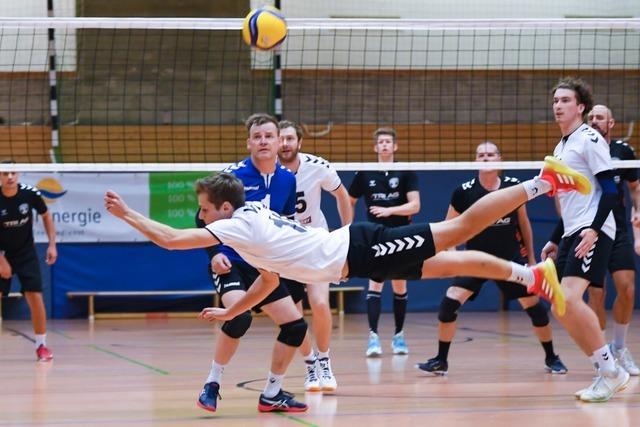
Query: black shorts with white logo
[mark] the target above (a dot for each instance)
(592, 267)
(27, 268)
(241, 277)
(382, 253)
(509, 290)
(622, 256)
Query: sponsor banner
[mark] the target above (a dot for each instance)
(173, 200)
(76, 203)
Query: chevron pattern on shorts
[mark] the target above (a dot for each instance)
(398, 245)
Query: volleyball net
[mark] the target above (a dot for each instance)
(172, 94)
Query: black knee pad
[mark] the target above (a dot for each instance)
(448, 310)
(539, 315)
(238, 326)
(293, 333)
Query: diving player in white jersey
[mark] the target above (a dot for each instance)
(278, 246)
(314, 174)
(587, 228)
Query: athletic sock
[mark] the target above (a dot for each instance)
(399, 310)
(215, 374)
(41, 339)
(443, 350)
(620, 335)
(521, 274)
(311, 357)
(536, 187)
(274, 385)
(605, 359)
(323, 354)
(373, 310)
(548, 349)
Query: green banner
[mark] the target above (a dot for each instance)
(172, 200)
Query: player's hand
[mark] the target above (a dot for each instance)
(220, 264)
(214, 313)
(589, 238)
(114, 204)
(380, 212)
(550, 250)
(636, 246)
(5, 268)
(52, 255)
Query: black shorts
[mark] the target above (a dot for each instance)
(592, 267)
(297, 290)
(241, 277)
(383, 253)
(27, 268)
(509, 290)
(622, 256)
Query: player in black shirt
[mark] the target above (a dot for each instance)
(391, 197)
(622, 261)
(509, 238)
(17, 201)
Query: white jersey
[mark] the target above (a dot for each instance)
(587, 152)
(268, 241)
(314, 175)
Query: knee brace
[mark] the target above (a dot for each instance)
(238, 326)
(293, 333)
(538, 314)
(448, 310)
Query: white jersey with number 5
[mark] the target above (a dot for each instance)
(314, 175)
(268, 241)
(587, 152)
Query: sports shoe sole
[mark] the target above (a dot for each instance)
(551, 371)
(313, 389)
(433, 373)
(583, 185)
(265, 408)
(551, 276)
(206, 408)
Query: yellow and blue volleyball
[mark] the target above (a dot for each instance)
(264, 28)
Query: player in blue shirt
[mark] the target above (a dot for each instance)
(266, 181)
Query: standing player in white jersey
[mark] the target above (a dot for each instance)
(622, 263)
(314, 174)
(587, 228)
(278, 246)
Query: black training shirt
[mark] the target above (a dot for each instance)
(16, 219)
(384, 189)
(620, 150)
(502, 238)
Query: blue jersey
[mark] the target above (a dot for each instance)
(277, 191)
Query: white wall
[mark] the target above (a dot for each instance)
(458, 9)
(25, 49)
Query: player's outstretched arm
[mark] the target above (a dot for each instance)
(259, 290)
(160, 234)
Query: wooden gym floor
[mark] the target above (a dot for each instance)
(149, 373)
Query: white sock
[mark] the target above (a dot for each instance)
(215, 374)
(311, 357)
(41, 340)
(620, 335)
(605, 360)
(274, 385)
(323, 354)
(536, 187)
(521, 274)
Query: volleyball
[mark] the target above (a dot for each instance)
(264, 28)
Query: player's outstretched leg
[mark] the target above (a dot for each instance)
(554, 177)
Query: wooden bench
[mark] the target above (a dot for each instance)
(9, 295)
(91, 295)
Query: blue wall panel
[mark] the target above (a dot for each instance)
(138, 266)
